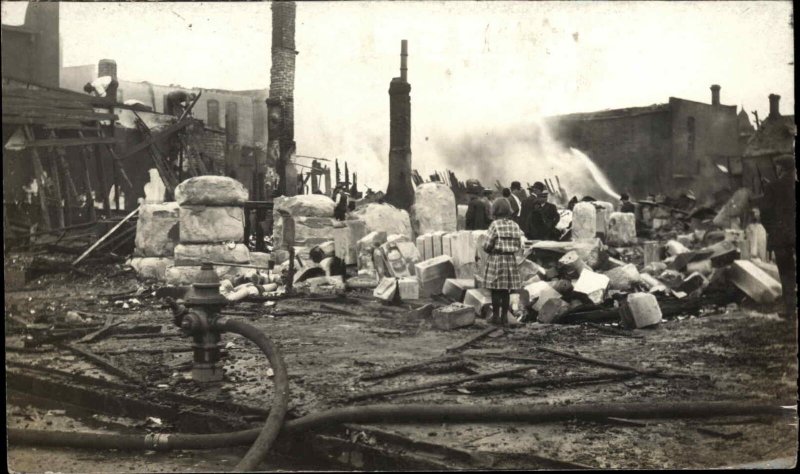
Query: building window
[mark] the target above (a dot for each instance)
(213, 113)
(231, 122)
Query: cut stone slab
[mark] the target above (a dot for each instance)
(723, 253)
(366, 247)
(603, 211)
(584, 221)
(770, 268)
(356, 229)
(259, 259)
(453, 316)
(211, 191)
(157, 230)
(437, 243)
(592, 251)
(675, 248)
(408, 287)
(196, 254)
(640, 310)
(693, 282)
(552, 310)
(432, 274)
(654, 268)
(539, 292)
(401, 256)
(185, 275)
(621, 229)
(623, 278)
(478, 299)
(563, 287)
(205, 224)
(671, 278)
(386, 218)
(456, 288)
(386, 289)
(434, 209)
(421, 248)
(151, 267)
(754, 282)
(308, 231)
(704, 267)
(592, 286)
(570, 265)
(461, 217)
(652, 252)
(305, 205)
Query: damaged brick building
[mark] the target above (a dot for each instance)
(662, 148)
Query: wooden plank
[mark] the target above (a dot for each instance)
(42, 94)
(44, 121)
(103, 362)
(103, 238)
(72, 191)
(64, 142)
(61, 115)
(13, 101)
(155, 138)
(38, 172)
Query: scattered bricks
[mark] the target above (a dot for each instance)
(592, 286)
(623, 278)
(540, 292)
(671, 279)
(189, 254)
(452, 316)
(621, 229)
(456, 288)
(408, 288)
(723, 253)
(703, 267)
(693, 282)
(437, 242)
(432, 274)
(675, 248)
(386, 289)
(157, 230)
(552, 310)
(478, 299)
(570, 265)
(654, 268)
(640, 310)
(211, 191)
(584, 221)
(754, 282)
(652, 252)
(201, 224)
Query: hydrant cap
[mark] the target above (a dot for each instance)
(205, 289)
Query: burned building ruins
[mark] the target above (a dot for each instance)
(193, 281)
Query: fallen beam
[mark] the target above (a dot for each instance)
(441, 383)
(408, 368)
(103, 362)
(550, 381)
(473, 339)
(602, 363)
(103, 238)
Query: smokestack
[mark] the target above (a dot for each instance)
(403, 60)
(774, 105)
(107, 67)
(400, 192)
(715, 94)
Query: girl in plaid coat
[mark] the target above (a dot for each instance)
(504, 239)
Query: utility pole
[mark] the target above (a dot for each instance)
(280, 104)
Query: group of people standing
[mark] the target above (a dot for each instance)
(536, 217)
(509, 219)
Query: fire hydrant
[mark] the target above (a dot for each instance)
(197, 318)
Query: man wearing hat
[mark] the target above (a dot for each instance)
(625, 204)
(538, 218)
(477, 217)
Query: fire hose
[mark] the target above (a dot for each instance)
(413, 413)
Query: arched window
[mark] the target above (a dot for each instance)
(231, 122)
(213, 113)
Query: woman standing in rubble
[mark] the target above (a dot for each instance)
(504, 239)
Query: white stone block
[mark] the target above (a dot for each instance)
(211, 190)
(584, 221)
(434, 209)
(157, 230)
(591, 285)
(205, 224)
(621, 229)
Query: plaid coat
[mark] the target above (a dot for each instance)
(502, 242)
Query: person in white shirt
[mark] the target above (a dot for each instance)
(104, 86)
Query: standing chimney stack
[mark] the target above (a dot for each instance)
(403, 60)
(774, 105)
(715, 94)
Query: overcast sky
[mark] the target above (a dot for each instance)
(475, 68)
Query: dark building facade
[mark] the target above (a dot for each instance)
(664, 148)
(774, 139)
(32, 51)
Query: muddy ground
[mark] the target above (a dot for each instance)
(733, 354)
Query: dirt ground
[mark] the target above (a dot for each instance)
(731, 354)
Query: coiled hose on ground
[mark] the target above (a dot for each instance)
(280, 401)
(403, 414)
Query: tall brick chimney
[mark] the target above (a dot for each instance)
(715, 94)
(107, 67)
(280, 104)
(400, 192)
(774, 105)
